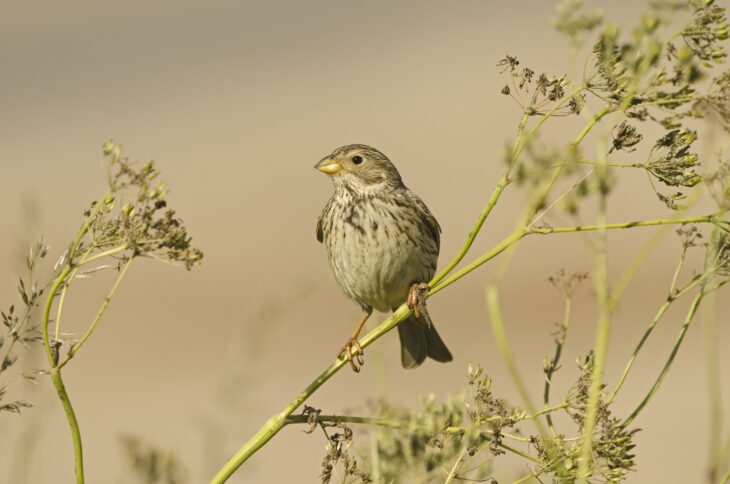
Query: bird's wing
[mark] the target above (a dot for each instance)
(320, 235)
(428, 218)
(320, 228)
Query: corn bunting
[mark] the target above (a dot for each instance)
(382, 244)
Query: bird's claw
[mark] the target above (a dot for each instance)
(417, 299)
(353, 352)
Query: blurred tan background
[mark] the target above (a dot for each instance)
(236, 101)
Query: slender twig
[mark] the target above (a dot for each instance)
(628, 274)
(52, 293)
(627, 225)
(517, 150)
(105, 303)
(709, 326)
(602, 334)
(559, 198)
(657, 383)
(553, 365)
(496, 193)
(455, 467)
(500, 336)
(660, 313)
(61, 300)
(106, 253)
(73, 424)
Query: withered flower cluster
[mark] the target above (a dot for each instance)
(134, 214)
(534, 92)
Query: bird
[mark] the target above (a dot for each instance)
(382, 244)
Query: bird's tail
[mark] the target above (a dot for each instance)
(418, 340)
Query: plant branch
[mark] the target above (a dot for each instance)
(500, 335)
(76, 347)
(73, 424)
(627, 225)
(690, 315)
(602, 336)
(660, 313)
(553, 365)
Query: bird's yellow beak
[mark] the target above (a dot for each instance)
(329, 165)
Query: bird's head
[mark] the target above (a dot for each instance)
(360, 168)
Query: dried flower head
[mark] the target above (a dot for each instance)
(625, 137)
(672, 162)
(706, 31)
(134, 214)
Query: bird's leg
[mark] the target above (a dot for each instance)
(417, 299)
(352, 349)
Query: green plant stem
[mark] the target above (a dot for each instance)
(601, 344)
(709, 319)
(72, 423)
(105, 303)
(628, 274)
(493, 199)
(660, 313)
(511, 239)
(517, 150)
(394, 424)
(690, 315)
(106, 253)
(496, 193)
(616, 165)
(61, 300)
(627, 225)
(709, 327)
(559, 342)
(52, 293)
(500, 336)
(455, 467)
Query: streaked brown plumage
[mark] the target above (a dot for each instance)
(381, 239)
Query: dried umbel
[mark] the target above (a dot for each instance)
(134, 214)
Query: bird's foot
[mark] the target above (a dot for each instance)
(352, 351)
(417, 296)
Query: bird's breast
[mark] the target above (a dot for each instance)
(377, 249)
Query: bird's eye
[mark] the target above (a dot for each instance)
(357, 159)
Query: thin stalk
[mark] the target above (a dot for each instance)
(690, 315)
(60, 279)
(545, 117)
(72, 423)
(615, 165)
(455, 467)
(61, 300)
(559, 342)
(517, 150)
(511, 239)
(629, 273)
(396, 425)
(713, 386)
(500, 336)
(602, 336)
(493, 199)
(496, 193)
(660, 313)
(709, 320)
(106, 253)
(76, 347)
(627, 225)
